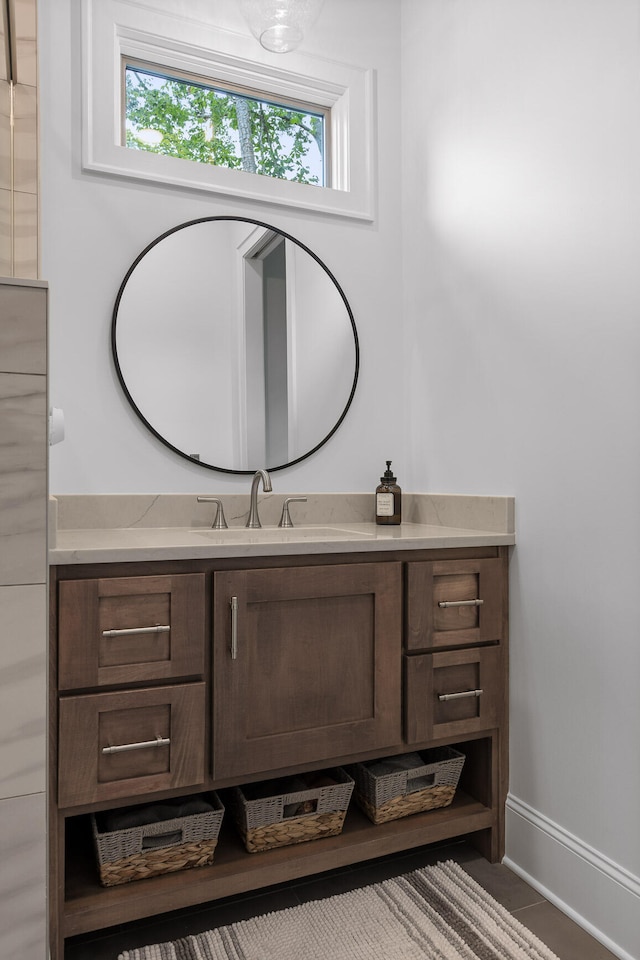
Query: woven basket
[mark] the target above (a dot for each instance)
(429, 783)
(274, 821)
(160, 847)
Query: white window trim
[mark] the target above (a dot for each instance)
(113, 29)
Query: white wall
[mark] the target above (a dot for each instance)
(93, 226)
(521, 214)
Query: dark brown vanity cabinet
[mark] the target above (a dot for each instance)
(170, 678)
(307, 665)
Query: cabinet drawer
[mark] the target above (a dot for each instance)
(453, 603)
(453, 693)
(130, 629)
(122, 744)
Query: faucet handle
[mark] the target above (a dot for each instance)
(285, 519)
(219, 522)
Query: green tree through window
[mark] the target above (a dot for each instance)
(194, 121)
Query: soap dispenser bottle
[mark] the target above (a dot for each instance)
(388, 499)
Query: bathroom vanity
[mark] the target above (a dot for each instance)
(221, 657)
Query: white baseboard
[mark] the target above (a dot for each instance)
(598, 894)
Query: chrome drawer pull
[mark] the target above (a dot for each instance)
(125, 747)
(460, 603)
(459, 696)
(233, 603)
(159, 628)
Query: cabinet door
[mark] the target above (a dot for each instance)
(308, 667)
(452, 603)
(130, 629)
(123, 744)
(453, 693)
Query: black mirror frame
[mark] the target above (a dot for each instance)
(114, 350)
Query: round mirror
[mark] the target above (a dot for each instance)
(235, 344)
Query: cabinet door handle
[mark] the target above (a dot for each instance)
(459, 696)
(460, 603)
(144, 745)
(158, 628)
(233, 603)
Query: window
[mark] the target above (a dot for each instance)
(193, 119)
(176, 54)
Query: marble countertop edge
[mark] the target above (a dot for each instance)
(117, 545)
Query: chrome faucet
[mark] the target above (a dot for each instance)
(254, 519)
(219, 521)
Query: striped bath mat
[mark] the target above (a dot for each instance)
(437, 912)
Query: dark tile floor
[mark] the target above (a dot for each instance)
(562, 935)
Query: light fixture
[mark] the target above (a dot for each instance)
(280, 25)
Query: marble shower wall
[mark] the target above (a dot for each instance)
(23, 618)
(19, 142)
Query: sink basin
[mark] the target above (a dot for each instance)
(281, 534)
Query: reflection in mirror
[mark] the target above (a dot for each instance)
(235, 344)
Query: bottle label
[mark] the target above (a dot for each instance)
(384, 505)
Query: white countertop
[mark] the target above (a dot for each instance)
(126, 528)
